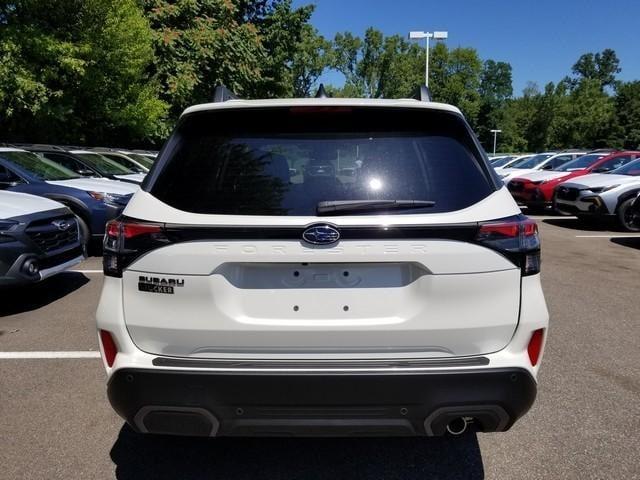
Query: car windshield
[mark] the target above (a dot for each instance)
(125, 162)
(39, 167)
(502, 161)
(531, 162)
(631, 168)
(145, 161)
(289, 161)
(580, 163)
(103, 165)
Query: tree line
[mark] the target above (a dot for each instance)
(119, 72)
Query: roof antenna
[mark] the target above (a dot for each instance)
(321, 93)
(423, 94)
(222, 94)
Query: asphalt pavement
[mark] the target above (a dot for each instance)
(55, 421)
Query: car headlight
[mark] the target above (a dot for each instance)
(7, 225)
(603, 189)
(112, 198)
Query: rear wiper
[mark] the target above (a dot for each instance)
(343, 206)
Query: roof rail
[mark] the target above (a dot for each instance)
(423, 94)
(321, 93)
(38, 146)
(222, 94)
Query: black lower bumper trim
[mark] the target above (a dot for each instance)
(209, 404)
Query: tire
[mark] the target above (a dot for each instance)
(629, 220)
(85, 235)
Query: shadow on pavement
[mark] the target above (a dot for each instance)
(575, 224)
(144, 456)
(631, 242)
(31, 297)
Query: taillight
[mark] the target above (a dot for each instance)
(535, 346)
(127, 239)
(108, 347)
(516, 238)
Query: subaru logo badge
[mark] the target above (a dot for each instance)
(61, 225)
(321, 235)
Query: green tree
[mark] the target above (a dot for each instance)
(248, 46)
(626, 131)
(77, 72)
(312, 57)
(377, 66)
(346, 60)
(495, 89)
(455, 78)
(602, 66)
(281, 32)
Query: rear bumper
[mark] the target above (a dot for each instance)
(191, 402)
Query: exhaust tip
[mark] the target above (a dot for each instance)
(458, 425)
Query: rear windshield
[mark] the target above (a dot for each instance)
(287, 161)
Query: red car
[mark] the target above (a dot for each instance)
(536, 189)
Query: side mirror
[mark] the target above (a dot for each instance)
(601, 170)
(85, 172)
(548, 166)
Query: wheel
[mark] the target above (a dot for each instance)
(85, 235)
(628, 218)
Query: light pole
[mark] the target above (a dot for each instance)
(495, 139)
(427, 36)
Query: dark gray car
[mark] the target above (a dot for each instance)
(38, 238)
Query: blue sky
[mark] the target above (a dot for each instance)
(541, 39)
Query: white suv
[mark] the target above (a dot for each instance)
(322, 267)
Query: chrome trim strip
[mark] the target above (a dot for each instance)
(321, 366)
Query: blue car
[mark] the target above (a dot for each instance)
(94, 200)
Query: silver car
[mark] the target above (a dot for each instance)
(602, 195)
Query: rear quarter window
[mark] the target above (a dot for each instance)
(285, 161)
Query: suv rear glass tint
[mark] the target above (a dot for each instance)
(285, 161)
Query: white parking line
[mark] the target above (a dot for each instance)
(85, 271)
(631, 235)
(41, 355)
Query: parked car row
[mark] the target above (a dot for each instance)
(54, 201)
(595, 186)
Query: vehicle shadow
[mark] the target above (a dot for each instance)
(631, 242)
(575, 224)
(147, 456)
(31, 297)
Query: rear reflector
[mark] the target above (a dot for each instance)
(535, 346)
(108, 347)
